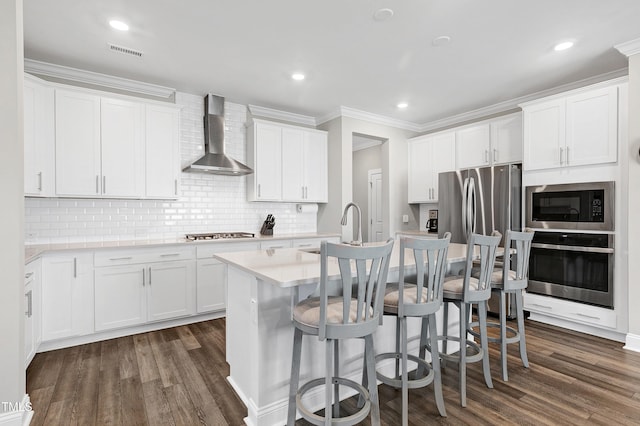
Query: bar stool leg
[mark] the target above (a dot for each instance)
(462, 380)
(328, 379)
(405, 378)
(424, 327)
(503, 335)
(435, 364)
(445, 329)
(398, 330)
(295, 375)
(336, 373)
(523, 342)
(484, 342)
(373, 384)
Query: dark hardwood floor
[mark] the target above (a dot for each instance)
(177, 376)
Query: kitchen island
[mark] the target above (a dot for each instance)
(262, 288)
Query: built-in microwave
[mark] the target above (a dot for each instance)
(579, 206)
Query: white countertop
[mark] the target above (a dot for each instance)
(35, 250)
(294, 267)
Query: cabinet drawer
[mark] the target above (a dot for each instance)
(578, 312)
(278, 244)
(146, 255)
(207, 250)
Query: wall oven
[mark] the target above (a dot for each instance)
(572, 254)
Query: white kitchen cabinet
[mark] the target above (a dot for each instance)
(428, 156)
(573, 130)
(162, 151)
(289, 163)
(77, 145)
(67, 295)
(39, 138)
(134, 287)
(495, 141)
(304, 165)
(32, 321)
(211, 278)
(580, 313)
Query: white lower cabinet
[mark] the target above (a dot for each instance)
(211, 280)
(576, 312)
(136, 287)
(67, 295)
(32, 321)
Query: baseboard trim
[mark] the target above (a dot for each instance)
(632, 342)
(18, 416)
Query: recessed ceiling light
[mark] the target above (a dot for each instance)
(402, 105)
(118, 25)
(563, 46)
(441, 41)
(298, 76)
(383, 14)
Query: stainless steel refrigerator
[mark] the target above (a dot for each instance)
(480, 201)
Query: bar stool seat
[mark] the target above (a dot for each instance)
(356, 313)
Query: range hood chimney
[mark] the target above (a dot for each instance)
(215, 161)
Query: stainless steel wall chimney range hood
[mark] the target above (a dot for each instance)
(215, 161)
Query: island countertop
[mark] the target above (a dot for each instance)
(293, 267)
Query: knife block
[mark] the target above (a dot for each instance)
(265, 230)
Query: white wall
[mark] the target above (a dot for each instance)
(208, 203)
(12, 373)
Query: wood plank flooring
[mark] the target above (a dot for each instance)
(177, 377)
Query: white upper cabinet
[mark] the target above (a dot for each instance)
(289, 163)
(573, 130)
(495, 141)
(39, 139)
(162, 151)
(428, 156)
(77, 151)
(122, 148)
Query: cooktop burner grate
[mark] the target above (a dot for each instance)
(219, 236)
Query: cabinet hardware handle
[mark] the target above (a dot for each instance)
(39, 181)
(169, 254)
(495, 155)
(561, 152)
(175, 183)
(104, 184)
(541, 306)
(28, 275)
(306, 192)
(302, 187)
(276, 247)
(97, 184)
(121, 258)
(143, 276)
(486, 156)
(567, 157)
(258, 190)
(75, 267)
(149, 276)
(305, 245)
(29, 311)
(586, 316)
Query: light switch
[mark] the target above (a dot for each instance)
(405, 218)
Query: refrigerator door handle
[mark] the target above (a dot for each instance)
(465, 192)
(472, 206)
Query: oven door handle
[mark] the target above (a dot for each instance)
(573, 248)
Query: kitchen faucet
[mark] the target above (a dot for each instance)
(358, 242)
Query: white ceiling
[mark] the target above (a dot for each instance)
(246, 50)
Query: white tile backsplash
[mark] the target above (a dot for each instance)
(208, 203)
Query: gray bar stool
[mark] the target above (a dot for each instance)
(464, 291)
(356, 313)
(511, 278)
(402, 301)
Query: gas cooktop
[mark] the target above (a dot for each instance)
(219, 236)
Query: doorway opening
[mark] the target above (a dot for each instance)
(367, 184)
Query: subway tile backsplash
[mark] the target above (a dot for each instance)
(208, 203)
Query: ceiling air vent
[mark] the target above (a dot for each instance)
(125, 50)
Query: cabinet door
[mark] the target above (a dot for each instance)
(293, 164)
(268, 162)
(67, 296)
(315, 167)
(442, 159)
(544, 135)
(162, 151)
(77, 146)
(32, 321)
(120, 296)
(506, 140)
(121, 131)
(211, 293)
(592, 127)
(171, 290)
(39, 139)
(473, 146)
(419, 177)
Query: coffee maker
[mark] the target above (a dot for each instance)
(432, 223)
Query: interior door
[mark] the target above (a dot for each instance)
(375, 205)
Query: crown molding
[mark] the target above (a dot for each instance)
(369, 117)
(90, 77)
(275, 114)
(512, 104)
(629, 48)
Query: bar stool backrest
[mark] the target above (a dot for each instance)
(518, 262)
(363, 276)
(487, 247)
(430, 257)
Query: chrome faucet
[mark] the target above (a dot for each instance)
(358, 242)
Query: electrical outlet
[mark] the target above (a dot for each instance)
(405, 218)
